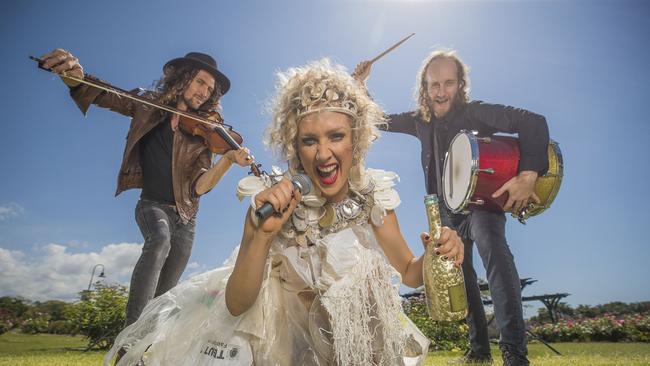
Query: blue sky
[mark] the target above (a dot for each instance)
(580, 64)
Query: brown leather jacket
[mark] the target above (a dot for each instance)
(190, 158)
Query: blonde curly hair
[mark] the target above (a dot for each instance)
(422, 97)
(317, 86)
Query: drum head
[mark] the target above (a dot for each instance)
(458, 172)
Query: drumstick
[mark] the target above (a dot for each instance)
(391, 48)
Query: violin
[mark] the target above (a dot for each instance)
(212, 137)
(217, 136)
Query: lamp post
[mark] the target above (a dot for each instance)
(101, 275)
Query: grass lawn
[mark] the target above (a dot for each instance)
(17, 349)
(573, 354)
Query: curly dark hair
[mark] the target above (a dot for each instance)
(173, 83)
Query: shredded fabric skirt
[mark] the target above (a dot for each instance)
(334, 303)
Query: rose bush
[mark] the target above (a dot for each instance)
(606, 328)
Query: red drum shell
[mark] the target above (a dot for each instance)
(501, 155)
(492, 161)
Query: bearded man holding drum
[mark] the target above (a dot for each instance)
(444, 111)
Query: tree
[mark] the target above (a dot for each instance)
(563, 310)
(12, 310)
(100, 314)
(56, 309)
(613, 308)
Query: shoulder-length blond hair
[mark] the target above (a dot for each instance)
(324, 85)
(422, 97)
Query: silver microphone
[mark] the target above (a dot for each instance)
(300, 182)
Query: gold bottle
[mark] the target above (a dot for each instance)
(444, 284)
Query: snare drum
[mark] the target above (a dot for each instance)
(475, 167)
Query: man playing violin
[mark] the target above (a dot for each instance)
(172, 168)
(444, 109)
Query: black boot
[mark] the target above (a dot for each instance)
(512, 356)
(471, 358)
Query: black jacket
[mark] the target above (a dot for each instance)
(485, 118)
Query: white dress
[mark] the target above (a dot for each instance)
(329, 297)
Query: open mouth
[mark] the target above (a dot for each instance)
(327, 174)
(441, 106)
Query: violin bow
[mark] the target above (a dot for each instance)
(95, 82)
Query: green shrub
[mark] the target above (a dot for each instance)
(34, 317)
(616, 308)
(99, 315)
(37, 323)
(61, 327)
(607, 328)
(56, 309)
(449, 336)
(12, 312)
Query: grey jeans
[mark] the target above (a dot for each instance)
(488, 231)
(166, 251)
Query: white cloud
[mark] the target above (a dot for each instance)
(193, 269)
(56, 273)
(10, 210)
(193, 265)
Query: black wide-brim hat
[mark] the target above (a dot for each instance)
(203, 62)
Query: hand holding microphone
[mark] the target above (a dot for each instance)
(276, 203)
